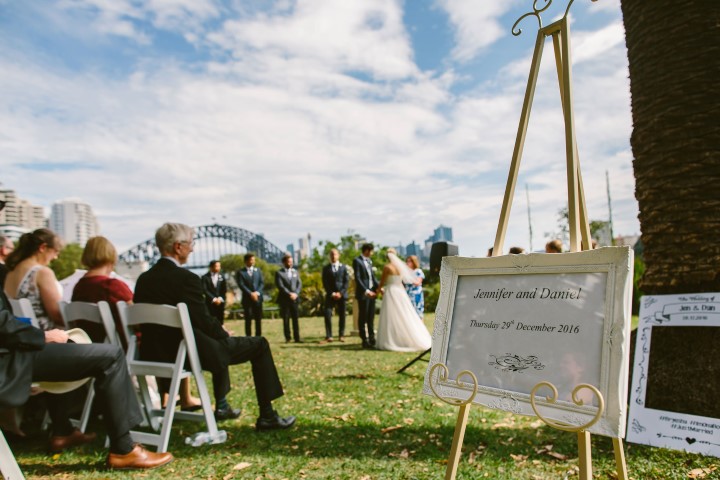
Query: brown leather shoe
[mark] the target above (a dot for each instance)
(60, 443)
(138, 459)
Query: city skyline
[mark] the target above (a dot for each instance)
(384, 117)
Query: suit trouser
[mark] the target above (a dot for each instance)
(289, 309)
(106, 363)
(217, 311)
(339, 306)
(366, 317)
(253, 311)
(255, 350)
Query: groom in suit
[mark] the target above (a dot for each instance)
(250, 280)
(289, 285)
(366, 285)
(215, 289)
(167, 283)
(335, 280)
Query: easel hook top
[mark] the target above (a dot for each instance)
(538, 8)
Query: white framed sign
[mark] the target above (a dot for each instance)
(690, 420)
(517, 320)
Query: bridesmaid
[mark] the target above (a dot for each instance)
(415, 290)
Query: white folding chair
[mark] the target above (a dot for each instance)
(22, 307)
(174, 317)
(98, 313)
(8, 465)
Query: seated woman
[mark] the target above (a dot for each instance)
(100, 257)
(30, 277)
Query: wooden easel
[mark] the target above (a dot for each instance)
(577, 214)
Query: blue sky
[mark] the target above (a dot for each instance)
(284, 117)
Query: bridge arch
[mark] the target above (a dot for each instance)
(211, 242)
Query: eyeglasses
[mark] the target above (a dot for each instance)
(191, 243)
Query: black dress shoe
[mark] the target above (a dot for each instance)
(371, 342)
(275, 423)
(299, 340)
(365, 344)
(227, 413)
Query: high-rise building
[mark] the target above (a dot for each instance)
(413, 249)
(304, 247)
(441, 234)
(20, 214)
(74, 221)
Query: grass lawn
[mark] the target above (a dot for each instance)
(358, 419)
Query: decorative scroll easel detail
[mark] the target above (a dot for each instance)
(442, 376)
(576, 400)
(536, 13)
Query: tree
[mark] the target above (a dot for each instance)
(673, 51)
(68, 261)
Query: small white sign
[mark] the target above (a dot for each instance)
(518, 320)
(649, 423)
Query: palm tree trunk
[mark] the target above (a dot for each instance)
(674, 59)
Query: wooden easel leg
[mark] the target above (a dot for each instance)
(456, 448)
(620, 465)
(584, 455)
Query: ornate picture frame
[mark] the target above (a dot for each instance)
(515, 321)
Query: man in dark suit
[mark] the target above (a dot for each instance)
(215, 289)
(366, 284)
(27, 354)
(289, 286)
(335, 280)
(166, 283)
(251, 282)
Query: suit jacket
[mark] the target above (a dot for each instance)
(211, 291)
(335, 282)
(17, 342)
(363, 281)
(250, 283)
(168, 284)
(287, 285)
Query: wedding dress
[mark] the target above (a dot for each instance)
(400, 329)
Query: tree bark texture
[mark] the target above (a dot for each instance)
(674, 59)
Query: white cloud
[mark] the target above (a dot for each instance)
(476, 25)
(280, 139)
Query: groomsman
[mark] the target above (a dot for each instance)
(215, 289)
(250, 280)
(335, 280)
(289, 285)
(366, 285)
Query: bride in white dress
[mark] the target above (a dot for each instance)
(400, 329)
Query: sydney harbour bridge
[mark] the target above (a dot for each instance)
(211, 243)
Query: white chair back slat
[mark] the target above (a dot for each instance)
(9, 468)
(22, 307)
(174, 317)
(92, 312)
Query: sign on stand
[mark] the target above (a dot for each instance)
(683, 417)
(518, 320)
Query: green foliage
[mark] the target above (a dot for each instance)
(68, 261)
(312, 296)
(432, 295)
